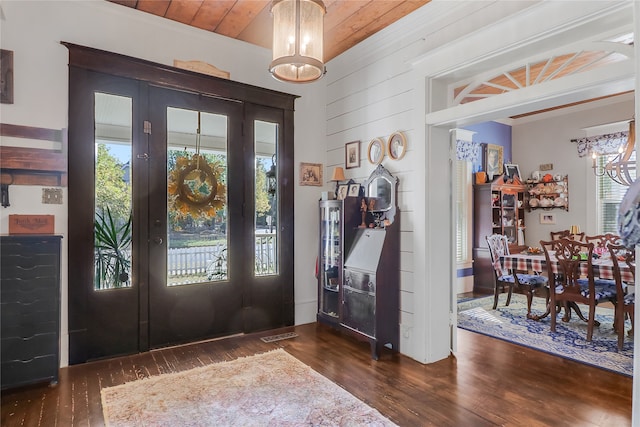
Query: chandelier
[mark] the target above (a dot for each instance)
(298, 31)
(620, 168)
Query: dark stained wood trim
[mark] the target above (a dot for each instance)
(33, 166)
(176, 78)
(19, 131)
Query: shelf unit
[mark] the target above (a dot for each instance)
(359, 264)
(549, 195)
(498, 208)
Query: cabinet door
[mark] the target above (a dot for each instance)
(330, 259)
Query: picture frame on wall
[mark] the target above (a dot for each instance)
(352, 155)
(6, 76)
(354, 190)
(512, 170)
(493, 160)
(311, 174)
(547, 218)
(343, 191)
(397, 146)
(376, 151)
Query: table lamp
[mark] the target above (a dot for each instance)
(338, 175)
(574, 229)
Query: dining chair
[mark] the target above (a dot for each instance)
(625, 301)
(499, 246)
(603, 240)
(555, 235)
(569, 286)
(566, 234)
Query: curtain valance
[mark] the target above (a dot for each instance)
(468, 150)
(601, 144)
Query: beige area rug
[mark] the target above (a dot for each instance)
(268, 389)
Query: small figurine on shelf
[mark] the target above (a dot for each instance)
(372, 223)
(363, 209)
(521, 228)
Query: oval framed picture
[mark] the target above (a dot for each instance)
(376, 150)
(397, 145)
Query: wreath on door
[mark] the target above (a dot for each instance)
(195, 187)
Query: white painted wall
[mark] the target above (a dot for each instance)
(33, 30)
(546, 138)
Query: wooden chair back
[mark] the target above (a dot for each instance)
(556, 235)
(601, 241)
(566, 234)
(499, 246)
(567, 253)
(566, 282)
(625, 304)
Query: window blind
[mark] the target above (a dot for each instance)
(462, 210)
(610, 194)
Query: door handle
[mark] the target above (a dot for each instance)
(158, 240)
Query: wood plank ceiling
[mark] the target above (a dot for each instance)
(347, 22)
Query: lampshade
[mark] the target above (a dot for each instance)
(574, 229)
(298, 30)
(338, 174)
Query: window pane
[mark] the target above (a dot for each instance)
(196, 197)
(266, 199)
(112, 226)
(610, 194)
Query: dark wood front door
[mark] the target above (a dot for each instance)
(176, 234)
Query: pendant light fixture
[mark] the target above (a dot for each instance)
(298, 31)
(621, 169)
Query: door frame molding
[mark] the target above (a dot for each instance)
(147, 74)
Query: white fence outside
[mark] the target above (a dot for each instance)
(200, 260)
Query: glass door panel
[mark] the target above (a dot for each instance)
(266, 198)
(113, 222)
(197, 239)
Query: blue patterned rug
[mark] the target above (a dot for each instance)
(569, 340)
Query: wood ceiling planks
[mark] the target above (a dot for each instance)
(347, 22)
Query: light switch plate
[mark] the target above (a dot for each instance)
(52, 196)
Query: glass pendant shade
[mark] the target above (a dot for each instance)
(622, 168)
(298, 30)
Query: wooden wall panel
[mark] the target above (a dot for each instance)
(33, 166)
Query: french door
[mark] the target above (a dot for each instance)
(196, 198)
(179, 216)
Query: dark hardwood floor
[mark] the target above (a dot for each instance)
(488, 383)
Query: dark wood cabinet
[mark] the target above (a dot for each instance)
(358, 281)
(498, 208)
(29, 309)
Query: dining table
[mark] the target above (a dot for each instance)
(602, 267)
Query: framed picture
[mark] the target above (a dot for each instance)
(352, 155)
(354, 190)
(397, 146)
(547, 218)
(343, 190)
(6, 76)
(512, 170)
(376, 151)
(493, 161)
(311, 174)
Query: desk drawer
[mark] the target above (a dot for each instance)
(359, 311)
(360, 280)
